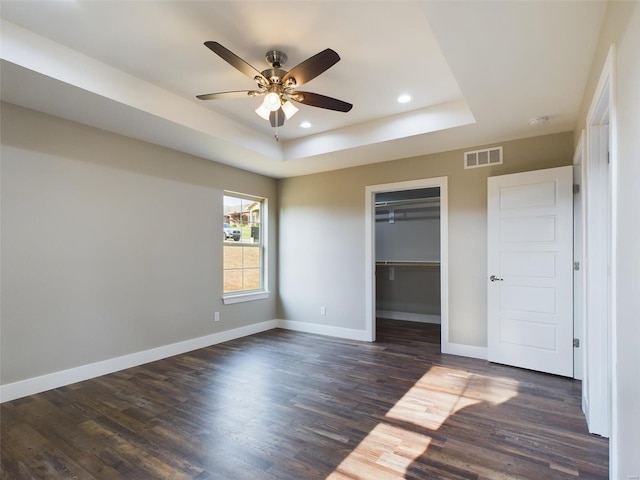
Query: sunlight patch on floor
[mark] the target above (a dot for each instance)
(390, 449)
(387, 451)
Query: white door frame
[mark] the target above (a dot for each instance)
(369, 251)
(600, 257)
(579, 304)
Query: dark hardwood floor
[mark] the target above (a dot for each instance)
(286, 405)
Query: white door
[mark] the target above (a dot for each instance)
(530, 270)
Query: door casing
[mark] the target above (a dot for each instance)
(600, 217)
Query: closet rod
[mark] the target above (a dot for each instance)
(413, 201)
(407, 264)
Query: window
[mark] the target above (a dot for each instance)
(243, 248)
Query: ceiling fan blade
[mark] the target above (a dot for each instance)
(233, 60)
(236, 94)
(317, 100)
(277, 118)
(312, 67)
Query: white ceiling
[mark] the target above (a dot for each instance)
(478, 72)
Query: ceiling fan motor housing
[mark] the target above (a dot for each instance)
(274, 75)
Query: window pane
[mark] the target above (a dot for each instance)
(251, 258)
(251, 279)
(232, 280)
(232, 257)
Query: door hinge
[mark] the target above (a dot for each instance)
(576, 188)
(576, 266)
(576, 343)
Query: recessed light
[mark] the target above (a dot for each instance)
(305, 125)
(404, 98)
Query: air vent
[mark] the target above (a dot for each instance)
(483, 158)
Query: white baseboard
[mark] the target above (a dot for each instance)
(348, 333)
(465, 350)
(409, 317)
(43, 383)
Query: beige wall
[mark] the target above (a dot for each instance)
(321, 243)
(110, 246)
(622, 28)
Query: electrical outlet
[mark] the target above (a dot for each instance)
(323, 310)
(216, 317)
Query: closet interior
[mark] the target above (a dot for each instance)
(407, 252)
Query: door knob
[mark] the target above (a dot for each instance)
(493, 278)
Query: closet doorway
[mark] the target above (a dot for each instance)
(406, 253)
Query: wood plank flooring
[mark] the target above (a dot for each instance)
(286, 405)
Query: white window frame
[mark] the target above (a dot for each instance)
(262, 293)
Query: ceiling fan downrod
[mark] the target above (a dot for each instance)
(276, 58)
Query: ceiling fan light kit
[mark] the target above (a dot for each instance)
(272, 101)
(263, 111)
(289, 109)
(278, 85)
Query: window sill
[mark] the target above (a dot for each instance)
(245, 297)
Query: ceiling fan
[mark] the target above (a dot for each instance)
(279, 86)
